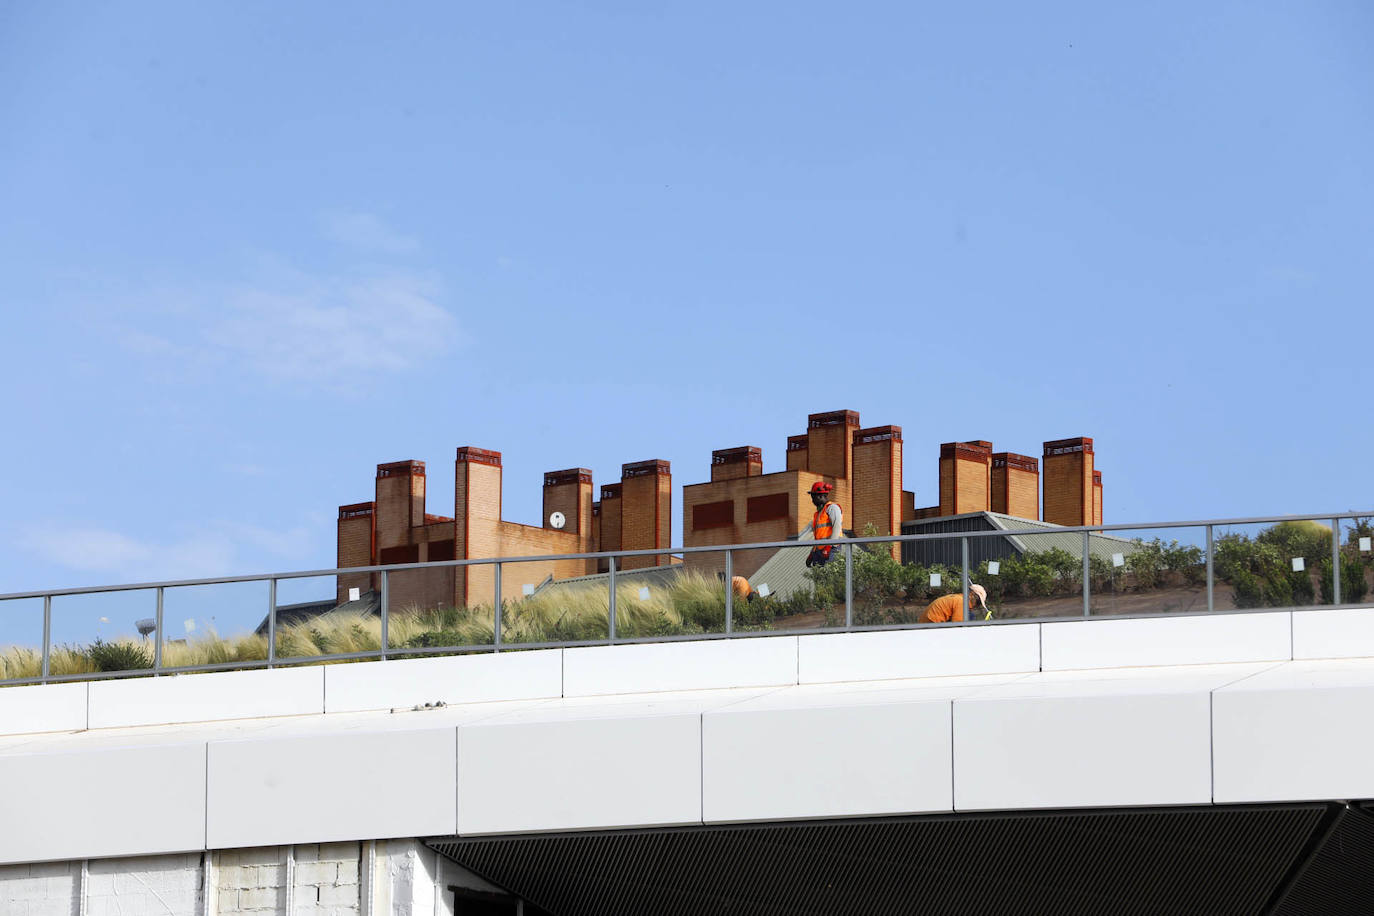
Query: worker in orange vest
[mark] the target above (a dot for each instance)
(949, 608)
(742, 589)
(828, 522)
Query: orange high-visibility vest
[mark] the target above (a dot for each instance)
(820, 525)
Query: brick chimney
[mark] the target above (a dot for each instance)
(830, 438)
(1015, 485)
(877, 486)
(743, 461)
(965, 477)
(1067, 468)
(476, 522)
(646, 510)
(400, 503)
(570, 492)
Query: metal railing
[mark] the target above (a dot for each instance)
(846, 546)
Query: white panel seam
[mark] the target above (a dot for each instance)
(205, 809)
(1212, 744)
(952, 767)
(701, 764)
(457, 771)
(1269, 667)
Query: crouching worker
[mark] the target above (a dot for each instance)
(828, 522)
(949, 608)
(742, 589)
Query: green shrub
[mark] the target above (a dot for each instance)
(1249, 589)
(1353, 584)
(1300, 588)
(1146, 563)
(1310, 540)
(1066, 567)
(119, 656)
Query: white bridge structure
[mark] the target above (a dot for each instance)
(347, 788)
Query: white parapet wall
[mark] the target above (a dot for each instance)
(1181, 710)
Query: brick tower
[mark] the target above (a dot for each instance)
(877, 485)
(730, 463)
(1015, 485)
(965, 477)
(646, 510)
(477, 522)
(570, 492)
(1068, 476)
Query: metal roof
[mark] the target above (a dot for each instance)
(662, 576)
(1100, 545)
(784, 572)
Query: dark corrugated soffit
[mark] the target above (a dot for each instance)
(1210, 861)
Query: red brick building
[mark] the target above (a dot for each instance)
(634, 514)
(739, 504)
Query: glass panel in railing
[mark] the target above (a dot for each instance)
(1148, 571)
(794, 588)
(1357, 560)
(554, 601)
(215, 624)
(1274, 565)
(682, 595)
(438, 607)
(1028, 571)
(929, 586)
(103, 631)
(324, 615)
(21, 638)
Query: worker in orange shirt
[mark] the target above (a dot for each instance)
(828, 522)
(742, 589)
(949, 608)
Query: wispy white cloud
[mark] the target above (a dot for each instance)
(219, 549)
(328, 330)
(314, 329)
(366, 232)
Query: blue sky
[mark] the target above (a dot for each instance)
(251, 250)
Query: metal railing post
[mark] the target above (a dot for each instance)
(1210, 580)
(157, 633)
(47, 637)
(610, 630)
(1087, 573)
(729, 592)
(271, 623)
(386, 613)
(1335, 561)
(848, 586)
(496, 614)
(963, 580)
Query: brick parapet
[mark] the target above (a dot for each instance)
(474, 455)
(743, 461)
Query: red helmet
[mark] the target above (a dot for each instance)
(821, 487)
